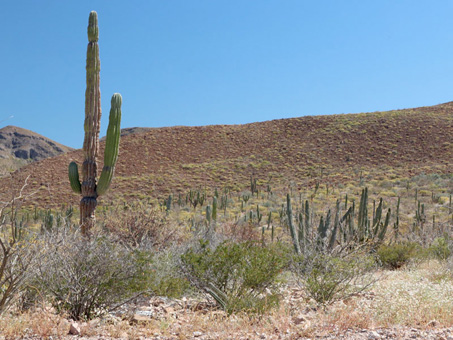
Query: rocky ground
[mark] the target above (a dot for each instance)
(160, 318)
(413, 303)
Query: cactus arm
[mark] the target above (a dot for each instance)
(219, 296)
(73, 173)
(384, 226)
(214, 208)
(336, 226)
(111, 145)
(292, 227)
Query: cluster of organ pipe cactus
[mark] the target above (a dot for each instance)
(343, 230)
(90, 188)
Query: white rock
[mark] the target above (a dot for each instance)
(373, 335)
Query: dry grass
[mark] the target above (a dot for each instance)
(42, 322)
(415, 296)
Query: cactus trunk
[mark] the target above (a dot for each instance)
(89, 188)
(91, 127)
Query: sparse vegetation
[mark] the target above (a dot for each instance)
(237, 227)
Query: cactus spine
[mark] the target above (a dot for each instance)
(90, 188)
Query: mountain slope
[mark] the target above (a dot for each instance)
(20, 146)
(285, 152)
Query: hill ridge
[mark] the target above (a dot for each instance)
(284, 152)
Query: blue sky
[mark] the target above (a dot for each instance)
(200, 62)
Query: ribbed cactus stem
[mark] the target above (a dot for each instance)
(292, 227)
(91, 127)
(73, 172)
(336, 226)
(214, 208)
(93, 30)
(384, 226)
(111, 145)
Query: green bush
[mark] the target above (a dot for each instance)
(328, 278)
(394, 256)
(441, 248)
(239, 276)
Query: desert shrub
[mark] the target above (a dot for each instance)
(239, 231)
(17, 254)
(329, 277)
(441, 248)
(84, 277)
(141, 225)
(167, 279)
(239, 276)
(449, 265)
(18, 250)
(396, 255)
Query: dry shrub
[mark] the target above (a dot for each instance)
(17, 255)
(18, 251)
(85, 277)
(332, 276)
(141, 225)
(239, 232)
(347, 316)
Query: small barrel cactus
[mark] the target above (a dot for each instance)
(89, 187)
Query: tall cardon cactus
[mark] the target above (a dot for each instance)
(89, 187)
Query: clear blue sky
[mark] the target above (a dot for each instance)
(200, 62)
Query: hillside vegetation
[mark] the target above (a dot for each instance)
(298, 153)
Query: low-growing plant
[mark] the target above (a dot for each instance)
(396, 255)
(441, 248)
(329, 277)
(85, 277)
(238, 276)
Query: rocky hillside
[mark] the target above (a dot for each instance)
(20, 146)
(283, 153)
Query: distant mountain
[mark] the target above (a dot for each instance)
(284, 153)
(132, 130)
(19, 147)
